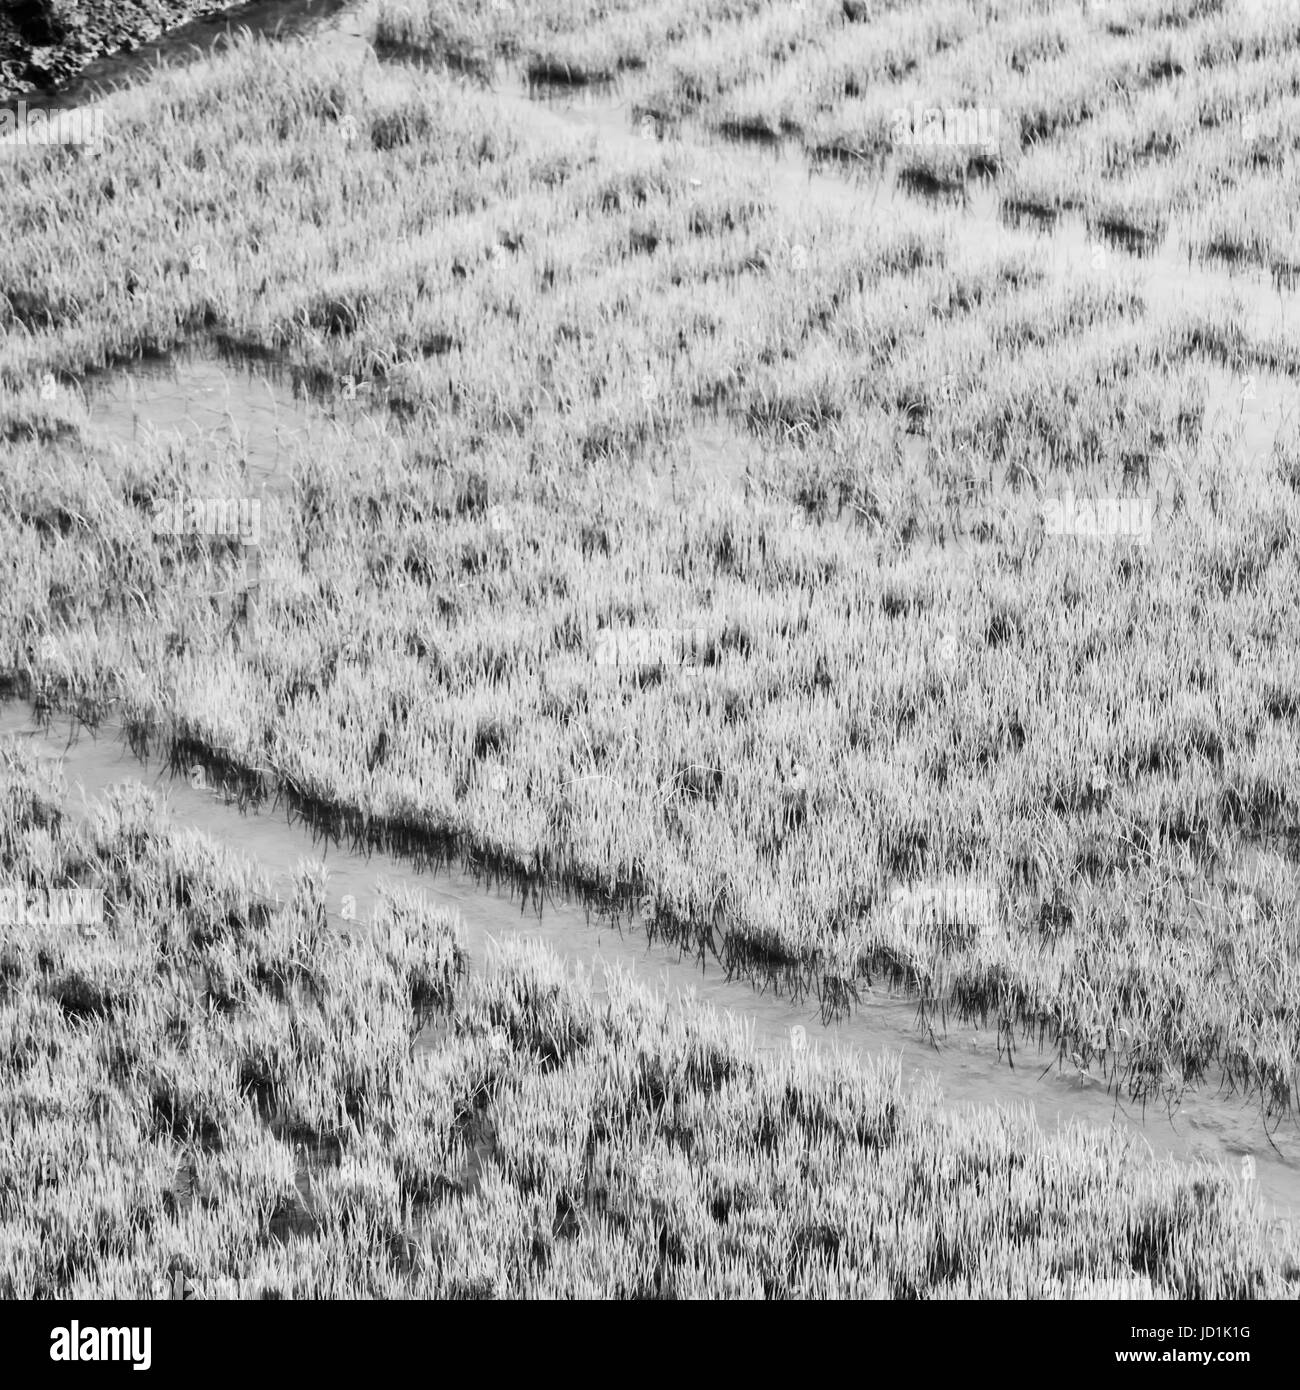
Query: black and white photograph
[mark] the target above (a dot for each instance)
(650, 650)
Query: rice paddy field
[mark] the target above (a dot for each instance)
(816, 487)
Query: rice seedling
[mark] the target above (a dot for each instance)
(911, 661)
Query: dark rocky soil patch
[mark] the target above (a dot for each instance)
(45, 43)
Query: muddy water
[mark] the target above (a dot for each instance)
(255, 414)
(965, 1063)
(258, 416)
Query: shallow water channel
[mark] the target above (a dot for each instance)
(965, 1062)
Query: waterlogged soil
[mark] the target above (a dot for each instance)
(1254, 408)
(257, 412)
(965, 1062)
(260, 413)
